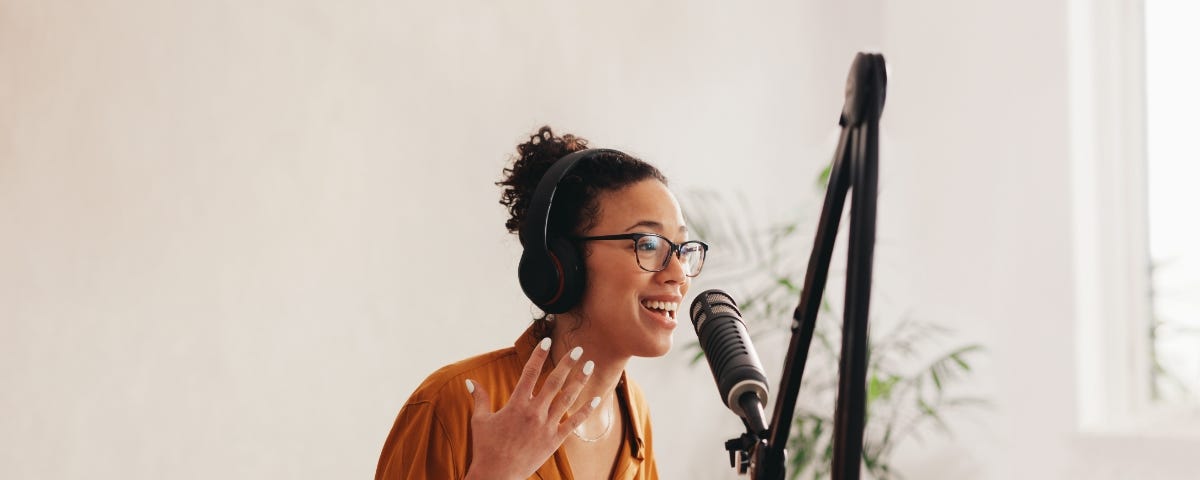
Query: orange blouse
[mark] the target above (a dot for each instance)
(431, 438)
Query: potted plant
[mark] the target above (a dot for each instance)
(913, 376)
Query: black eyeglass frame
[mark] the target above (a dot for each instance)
(676, 249)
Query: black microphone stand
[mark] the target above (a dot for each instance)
(855, 167)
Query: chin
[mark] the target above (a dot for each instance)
(658, 349)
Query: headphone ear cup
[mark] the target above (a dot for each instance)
(538, 276)
(573, 275)
(554, 282)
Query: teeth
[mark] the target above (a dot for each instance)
(668, 306)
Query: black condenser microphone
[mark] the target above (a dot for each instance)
(731, 356)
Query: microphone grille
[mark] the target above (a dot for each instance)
(715, 302)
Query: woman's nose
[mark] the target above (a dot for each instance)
(675, 271)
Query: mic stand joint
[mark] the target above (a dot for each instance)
(742, 449)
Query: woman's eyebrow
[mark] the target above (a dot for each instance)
(654, 226)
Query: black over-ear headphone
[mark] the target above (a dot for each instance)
(551, 271)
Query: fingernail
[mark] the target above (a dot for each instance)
(588, 367)
(595, 401)
(576, 353)
(545, 345)
(470, 387)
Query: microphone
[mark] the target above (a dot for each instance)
(731, 356)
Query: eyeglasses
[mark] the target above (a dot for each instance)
(654, 251)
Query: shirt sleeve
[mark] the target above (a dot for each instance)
(419, 447)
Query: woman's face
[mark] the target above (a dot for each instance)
(615, 302)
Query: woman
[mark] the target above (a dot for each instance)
(606, 254)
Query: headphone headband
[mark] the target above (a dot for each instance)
(535, 232)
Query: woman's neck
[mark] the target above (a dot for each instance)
(608, 365)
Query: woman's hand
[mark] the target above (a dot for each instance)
(514, 441)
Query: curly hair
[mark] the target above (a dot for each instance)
(576, 205)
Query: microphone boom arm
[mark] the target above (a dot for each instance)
(855, 167)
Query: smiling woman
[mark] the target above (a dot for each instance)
(608, 258)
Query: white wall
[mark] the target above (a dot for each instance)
(977, 114)
(235, 235)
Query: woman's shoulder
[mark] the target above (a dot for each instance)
(429, 437)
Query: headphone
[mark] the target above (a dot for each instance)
(551, 271)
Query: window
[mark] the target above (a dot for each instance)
(1173, 189)
(1136, 193)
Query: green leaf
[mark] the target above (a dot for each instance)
(823, 177)
(880, 388)
(788, 284)
(959, 355)
(960, 361)
(930, 412)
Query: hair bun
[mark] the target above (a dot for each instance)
(532, 161)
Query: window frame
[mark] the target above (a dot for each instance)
(1113, 310)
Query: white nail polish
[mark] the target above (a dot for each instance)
(588, 367)
(545, 345)
(470, 387)
(576, 353)
(595, 402)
